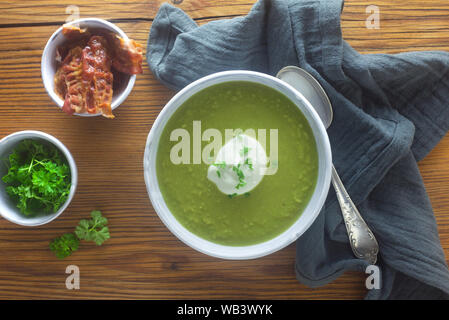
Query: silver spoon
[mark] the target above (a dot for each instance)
(362, 240)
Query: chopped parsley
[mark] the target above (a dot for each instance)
(244, 151)
(238, 171)
(240, 175)
(241, 184)
(249, 163)
(220, 165)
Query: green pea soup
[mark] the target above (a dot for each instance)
(276, 202)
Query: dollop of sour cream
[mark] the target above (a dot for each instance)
(239, 166)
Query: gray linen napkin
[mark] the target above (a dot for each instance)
(390, 111)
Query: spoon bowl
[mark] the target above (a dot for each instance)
(311, 89)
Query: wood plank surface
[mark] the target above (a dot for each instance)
(143, 259)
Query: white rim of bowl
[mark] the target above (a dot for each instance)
(30, 134)
(238, 252)
(56, 99)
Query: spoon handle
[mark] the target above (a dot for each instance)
(362, 240)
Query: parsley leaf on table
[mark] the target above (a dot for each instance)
(90, 230)
(64, 245)
(94, 229)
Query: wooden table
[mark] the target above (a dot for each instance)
(143, 259)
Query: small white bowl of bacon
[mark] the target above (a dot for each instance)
(89, 67)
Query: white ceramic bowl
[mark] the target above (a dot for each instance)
(49, 64)
(8, 209)
(309, 214)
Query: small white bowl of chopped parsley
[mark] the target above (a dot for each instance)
(38, 178)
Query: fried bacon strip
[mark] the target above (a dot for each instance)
(97, 77)
(127, 55)
(68, 82)
(73, 32)
(84, 79)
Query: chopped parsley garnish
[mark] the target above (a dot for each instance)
(238, 171)
(244, 151)
(240, 175)
(249, 163)
(232, 195)
(220, 165)
(240, 184)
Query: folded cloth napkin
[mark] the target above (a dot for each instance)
(389, 112)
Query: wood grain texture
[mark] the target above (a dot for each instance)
(143, 259)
